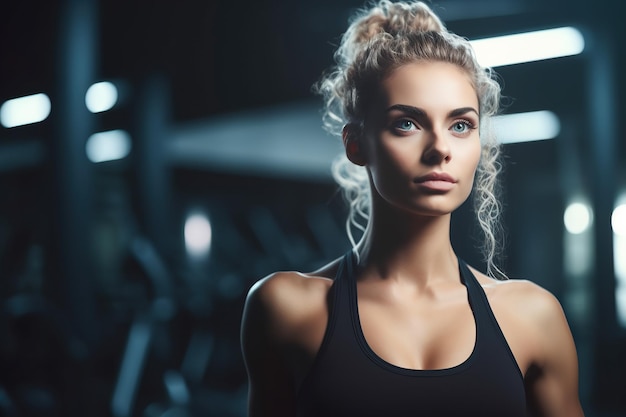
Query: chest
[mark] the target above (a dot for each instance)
(418, 334)
(431, 360)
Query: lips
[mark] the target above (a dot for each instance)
(435, 176)
(436, 182)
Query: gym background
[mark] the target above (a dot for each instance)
(157, 158)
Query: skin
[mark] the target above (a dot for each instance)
(412, 306)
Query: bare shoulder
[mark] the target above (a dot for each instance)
(285, 291)
(536, 329)
(522, 296)
(287, 298)
(280, 319)
(523, 307)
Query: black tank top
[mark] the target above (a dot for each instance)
(348, 379)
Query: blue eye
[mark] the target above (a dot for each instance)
(462, 126)
(405, 125)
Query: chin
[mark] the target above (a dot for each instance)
(437, 207)
(426, 210)
(425, 205)
(434, 212)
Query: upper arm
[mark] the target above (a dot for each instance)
(271, 389)
(552, 381)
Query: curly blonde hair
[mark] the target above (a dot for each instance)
(379, 40)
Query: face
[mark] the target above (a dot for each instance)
(421, 141)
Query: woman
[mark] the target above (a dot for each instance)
(400, 326)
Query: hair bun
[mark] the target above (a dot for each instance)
(390, 18)
(396, 18)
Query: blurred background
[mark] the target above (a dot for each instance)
(156, 159)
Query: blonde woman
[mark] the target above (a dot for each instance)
(400, 326)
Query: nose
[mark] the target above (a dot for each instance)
(437, 149)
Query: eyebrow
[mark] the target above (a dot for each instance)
(417, 112)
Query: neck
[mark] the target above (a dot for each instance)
(402, 246)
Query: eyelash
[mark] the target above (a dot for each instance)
(397, 125)
(470, 125)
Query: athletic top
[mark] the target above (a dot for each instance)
(348, 379)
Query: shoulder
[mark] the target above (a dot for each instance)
(286, 291)
(535, 326)
(531, 309)
(523, 296)
(278, 321)
(283, 301)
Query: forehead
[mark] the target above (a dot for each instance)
(431, 86)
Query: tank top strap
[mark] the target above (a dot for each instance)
(476, 295)
(341, 297)
(348, 263)
(486, 320)
(339, 303)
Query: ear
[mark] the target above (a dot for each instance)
(351, 135)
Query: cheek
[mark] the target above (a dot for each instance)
(390, 168)
(473, 154)
(392, 158)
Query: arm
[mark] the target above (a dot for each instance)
(552, 382)
(271, 388)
